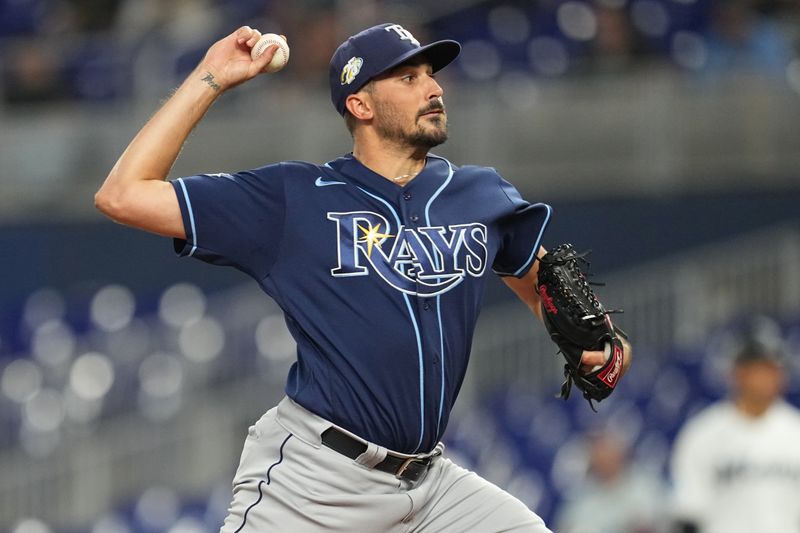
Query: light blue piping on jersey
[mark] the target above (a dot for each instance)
(416, 332)
(438, 297)
(535, 247)
(191, 216)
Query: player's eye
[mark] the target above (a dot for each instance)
(408, 77)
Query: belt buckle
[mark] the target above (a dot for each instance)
(399, 473)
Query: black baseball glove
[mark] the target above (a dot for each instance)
(577, 321)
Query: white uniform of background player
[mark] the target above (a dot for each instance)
(736, 465)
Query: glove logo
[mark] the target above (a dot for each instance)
(547, 300)
(611, 373)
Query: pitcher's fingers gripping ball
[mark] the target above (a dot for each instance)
(281, 56)
(577, 321)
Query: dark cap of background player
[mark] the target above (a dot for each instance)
(758, 339)
(376, 50)
(754, 350)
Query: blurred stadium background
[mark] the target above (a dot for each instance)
(665, 133)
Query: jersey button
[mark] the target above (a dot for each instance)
(426, 306)
(406, 196)
(414, 218)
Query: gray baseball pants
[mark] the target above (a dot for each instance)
(288, 481)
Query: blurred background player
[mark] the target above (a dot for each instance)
(736, 464)
(741, 38)
(616, 495)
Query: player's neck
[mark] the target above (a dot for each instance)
(397, 164)
(752, 408)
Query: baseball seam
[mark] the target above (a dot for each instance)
(263, 45)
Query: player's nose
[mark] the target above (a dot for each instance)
(435, 90)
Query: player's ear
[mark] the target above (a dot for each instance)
(360, 105)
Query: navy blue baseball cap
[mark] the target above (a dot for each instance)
(376, 50)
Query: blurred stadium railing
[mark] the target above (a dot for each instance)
(645, 134)
(669, 305)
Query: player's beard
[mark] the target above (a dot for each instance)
(390, 125)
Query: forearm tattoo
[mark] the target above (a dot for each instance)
(209, 79)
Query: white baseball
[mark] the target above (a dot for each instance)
(281, 56)
(607, 353)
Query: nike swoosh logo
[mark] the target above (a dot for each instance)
(321, 183)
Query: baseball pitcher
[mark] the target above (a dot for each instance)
(378, 259)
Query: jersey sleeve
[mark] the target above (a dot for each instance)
(233, 219)
(521, 230)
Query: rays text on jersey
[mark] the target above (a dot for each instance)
(422, 261)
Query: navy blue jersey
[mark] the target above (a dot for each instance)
(381, 285)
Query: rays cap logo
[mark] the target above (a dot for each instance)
(376, 50)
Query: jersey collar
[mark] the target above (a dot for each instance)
(425, 183)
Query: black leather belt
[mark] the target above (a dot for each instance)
(408, 468)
